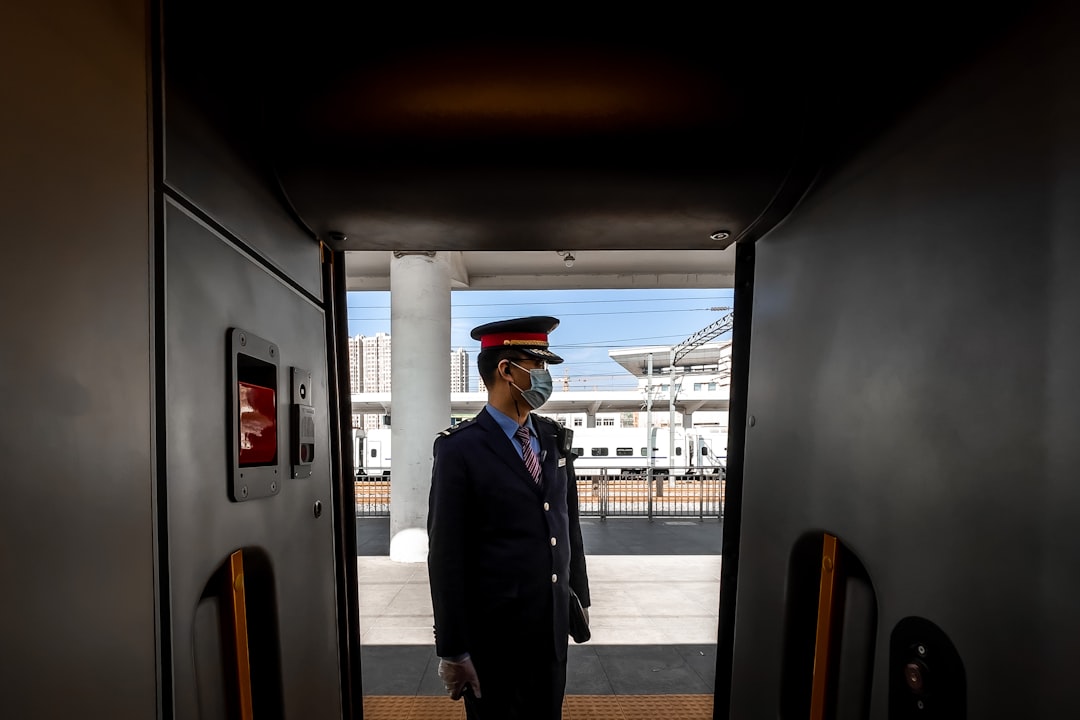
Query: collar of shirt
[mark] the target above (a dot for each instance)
(510, 426)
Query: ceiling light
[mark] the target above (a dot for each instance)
(567, 256)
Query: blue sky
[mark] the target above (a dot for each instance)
(592, 322)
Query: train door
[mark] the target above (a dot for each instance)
(704, 454)
(376, 461)
(256, 491)
(363, 455)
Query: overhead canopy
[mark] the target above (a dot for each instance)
(636, 360)
(547, 270)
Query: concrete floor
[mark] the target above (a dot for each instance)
(655, 600)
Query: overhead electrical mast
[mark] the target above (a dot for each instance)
(678, 352)
(711, 332)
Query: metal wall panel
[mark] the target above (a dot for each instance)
(213, 287)
(218, 147)
(914, 385)
(77, 628)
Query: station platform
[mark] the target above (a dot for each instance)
(655, 602)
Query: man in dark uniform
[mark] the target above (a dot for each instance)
(504, 536)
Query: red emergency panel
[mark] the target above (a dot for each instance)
(258, 425)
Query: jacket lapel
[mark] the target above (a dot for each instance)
(549, 452)
(503, 447)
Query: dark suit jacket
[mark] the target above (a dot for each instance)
(503, 552)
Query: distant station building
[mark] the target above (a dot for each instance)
(369, 373)
(703, 372)
(701, 380)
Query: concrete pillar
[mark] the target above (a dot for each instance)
(688, 420)
(420, 387)
(590, 414)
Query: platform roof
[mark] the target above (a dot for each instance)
(547, 270)
(562, 403)
(636, 360)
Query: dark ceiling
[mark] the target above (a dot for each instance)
(545, 128)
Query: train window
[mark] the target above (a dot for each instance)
(374, 452)
(599, 452)
(644, 452)
(678, 451)
(704, 451)
(624, 452)
(578, 452)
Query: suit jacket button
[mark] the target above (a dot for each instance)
(554, 578)
(546, 507)
(553, 541)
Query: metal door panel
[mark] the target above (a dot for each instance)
(913, 385)
(212, 287)
(77, 555)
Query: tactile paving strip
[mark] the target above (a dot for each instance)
(575, 707)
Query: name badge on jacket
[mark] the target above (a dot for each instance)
(562, 462)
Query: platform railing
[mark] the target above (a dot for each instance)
(603, 493)
(606, 493)
(372, 496)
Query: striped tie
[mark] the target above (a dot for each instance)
(532, 463)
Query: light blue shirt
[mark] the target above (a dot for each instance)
(509, 426)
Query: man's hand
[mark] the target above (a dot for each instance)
(457, 675)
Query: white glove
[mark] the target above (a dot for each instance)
(457, 675)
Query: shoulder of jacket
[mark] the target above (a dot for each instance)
(555, 424)
(471, 422)
(563, 435)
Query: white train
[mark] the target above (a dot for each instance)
(699, 450)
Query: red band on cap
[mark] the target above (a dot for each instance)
(513, 338)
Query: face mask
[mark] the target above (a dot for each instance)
(539, 387)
